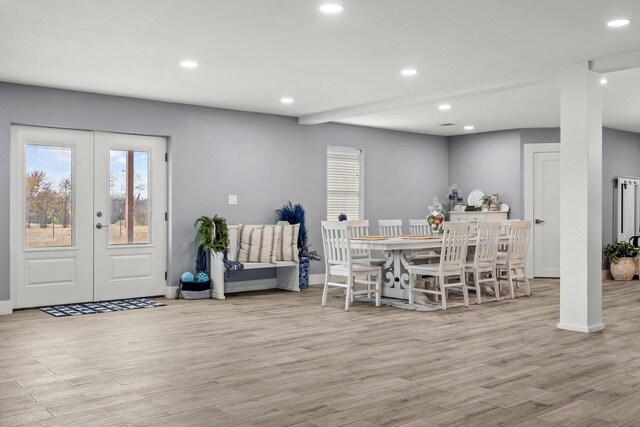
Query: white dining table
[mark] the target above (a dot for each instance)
(396, 251)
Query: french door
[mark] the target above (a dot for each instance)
(88, 214)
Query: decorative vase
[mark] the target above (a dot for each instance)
(624, 269)
(303, 273)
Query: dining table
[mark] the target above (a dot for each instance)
(397, 251)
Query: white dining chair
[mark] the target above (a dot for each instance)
(360, 228)
(455, 241)
(338, 263)
(513, 264)
(419, 227)
(390, 227)
(484, 259)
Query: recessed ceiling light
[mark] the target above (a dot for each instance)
(331, 8)
(618, 23)
(286, 100)
(187, 63)
(468, 127)
(409, 72)
(444, 107)
(603, 81)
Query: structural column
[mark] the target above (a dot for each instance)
(581, 200)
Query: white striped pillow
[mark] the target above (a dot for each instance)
(257, 243)
(288, 249)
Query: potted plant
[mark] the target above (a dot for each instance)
(621, 256)
(486, 201)
(294, 214)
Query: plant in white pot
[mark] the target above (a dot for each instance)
(621, 256)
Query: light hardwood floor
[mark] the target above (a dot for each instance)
(278, 358)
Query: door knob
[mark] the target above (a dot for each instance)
(100, 226)
(539, 221)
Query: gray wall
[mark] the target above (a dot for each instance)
(491, 162)
(265, 159)
(471, 155)
(620, 157)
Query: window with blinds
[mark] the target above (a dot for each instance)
(344, 183)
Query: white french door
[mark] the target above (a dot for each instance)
(87, 216)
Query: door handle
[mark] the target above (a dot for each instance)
(100, 226)
(539, 221)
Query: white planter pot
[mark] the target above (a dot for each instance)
(624, 269)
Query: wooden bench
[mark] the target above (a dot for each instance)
(286, 272)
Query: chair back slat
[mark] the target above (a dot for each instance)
(487, 241)
(519, 239)
(455, 241)
(505, 230)
(335, 240)
(418, 227)
(357, 229)
(390, 227)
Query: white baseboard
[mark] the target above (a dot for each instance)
(316, 279)
(580, 328)
(6, 307)
(170, 292)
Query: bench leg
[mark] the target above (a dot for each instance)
(217, 275)
(287, 278)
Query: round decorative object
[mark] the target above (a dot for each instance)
(187, 277)
(342, 217)
(475, 197)
(202, 277)
(624, 269)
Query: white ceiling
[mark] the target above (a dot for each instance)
(343, 68)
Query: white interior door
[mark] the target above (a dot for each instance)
(51, 216)
(546, 214)
(87, 216)
(130, 232)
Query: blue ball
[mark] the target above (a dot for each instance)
(187, 277)
(202, 277)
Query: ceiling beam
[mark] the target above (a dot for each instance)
(442, 95)
(610, 64)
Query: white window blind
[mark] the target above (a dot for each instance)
(343, 183)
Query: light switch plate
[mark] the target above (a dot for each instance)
(233, 199)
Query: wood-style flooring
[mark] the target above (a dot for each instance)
(277, 359)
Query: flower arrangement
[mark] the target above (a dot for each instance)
(435, 221)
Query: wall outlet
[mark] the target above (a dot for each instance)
(233, 199)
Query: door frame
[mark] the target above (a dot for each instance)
(529, 152)
(169, 189)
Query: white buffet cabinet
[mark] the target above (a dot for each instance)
(478, 216)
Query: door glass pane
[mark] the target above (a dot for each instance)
(49, 196)
(129, 197)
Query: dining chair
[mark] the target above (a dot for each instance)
(418, 227)
(513, 264)
(338, 263)
(360, 228)
(455, 241)
(390, 227)
(505, 227)
(484, 259)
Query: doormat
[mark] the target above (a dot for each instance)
(99, 307)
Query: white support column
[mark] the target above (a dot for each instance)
(581, 200)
